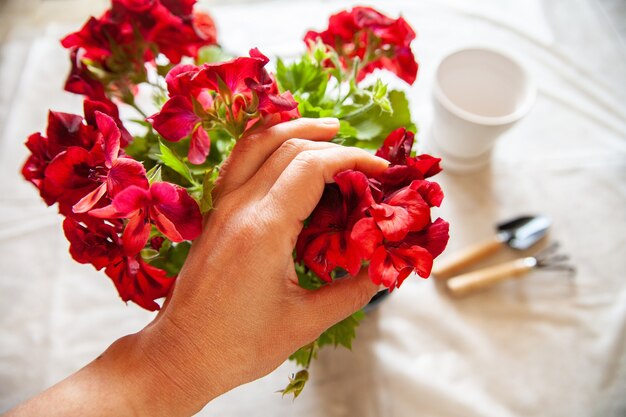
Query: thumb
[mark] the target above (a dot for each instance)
(336, 301)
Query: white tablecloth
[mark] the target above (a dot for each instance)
(542, 346)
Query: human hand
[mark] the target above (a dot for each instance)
(237, 311)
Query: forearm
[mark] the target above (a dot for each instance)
(123, 381)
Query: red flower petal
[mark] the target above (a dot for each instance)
(139, 282)
(174, 212)
(343, 253)
(397, 146)
(109, 108)
(430, 192)
(176, 120)
(199, 146)
(413, 257)
(403, 212)
(36, 164)
(426, 164)
(381, 269)
(80, 81)
(205, 28)
(87, 202)
(124, 173)
(434, 238)
(67, 177)
(180, 8)
(329, 210)
(233, 73)
(389, 266)
(64, 130)
(92, 241)
(136, 233)
(111, 134)
(315, 256)
(367, 236)
(131, 199)
(178, 79)
(355, 193)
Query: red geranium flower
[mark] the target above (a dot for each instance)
(90, 107)
(397, 146)
(64, 130)
(97, 242)
(168, 206)
(80, 177)
(238, 95)
(391, 227)
(119, 43)
(117, 174)
(326, 242)
(400, 213)
(98, 37)
(375, 39)
(391, 262)
(433, 238)
(404, 169)
(93, 241)
(138, 281)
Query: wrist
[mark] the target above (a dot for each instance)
(175, 376)
(154, 373)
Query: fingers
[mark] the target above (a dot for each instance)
(334, 302)
(299, 186)
(252, 151)
(266, 176)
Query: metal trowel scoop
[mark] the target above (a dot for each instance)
(520, 233)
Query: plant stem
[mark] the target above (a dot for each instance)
(308, 361)
(138, 109)
(157, 85)
(358, 112)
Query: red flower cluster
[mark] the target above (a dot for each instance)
(81, 166)
(236, 95)
(377, 40)
(112, 50)
(384, 220)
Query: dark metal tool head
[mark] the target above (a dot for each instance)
(523, 232)
(549, 259)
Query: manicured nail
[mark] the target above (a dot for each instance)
(329, 121)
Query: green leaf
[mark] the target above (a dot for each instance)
(208, 183)
(172, 161)
(154, 174)
(307, 279)
(304, 355)
(141, 122)
(346, 130)
(210, 54)
(343, 332)
(309, 110)
(296, 383)
(305, 78)
(162, 70)
(138, 148)
(375, 125)
(171, 257)
(224, 90)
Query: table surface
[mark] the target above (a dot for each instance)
(542, 346)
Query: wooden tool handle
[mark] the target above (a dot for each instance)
(451, 265)
(483, 278)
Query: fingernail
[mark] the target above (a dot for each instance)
(382, 160)
(329, 120)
